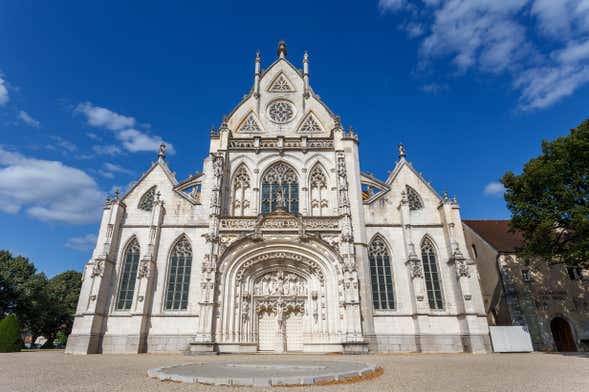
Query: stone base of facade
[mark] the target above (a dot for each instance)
(168, 343)
(84, 344)
(124, 344)
(201, 348)
(429, 343)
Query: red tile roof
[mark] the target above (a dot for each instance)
(497, 233)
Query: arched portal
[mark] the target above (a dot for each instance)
(562, 335)
(279, 295)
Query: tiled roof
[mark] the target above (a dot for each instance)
(497, 233)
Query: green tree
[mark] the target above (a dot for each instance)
(549, 200)
(63, 291)
(10, 339)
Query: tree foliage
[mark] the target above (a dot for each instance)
(549, 200)
(10, 338)
(43, 306)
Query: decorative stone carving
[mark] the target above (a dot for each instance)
(280, 283)
(147, 200)
(144, 269)
(310, 125)
(250, 125)
(97, 268)
(413, 198)
(281, 85)
(281, 111)
(415, 268)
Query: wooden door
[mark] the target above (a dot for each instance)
(562, 334)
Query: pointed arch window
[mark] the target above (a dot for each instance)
(431, 274)
(241, 185)
(128, 276)
(318, 186)
(180, 267)
(383, 297)
(415, 202)
(146, 201)
(280, 188)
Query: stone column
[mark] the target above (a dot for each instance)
(354, 340)
(146, 272)
(204, 341)
(92, 310)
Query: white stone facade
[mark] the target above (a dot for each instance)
(275, 238)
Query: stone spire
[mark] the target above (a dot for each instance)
(257, 75)
(306, 73)
(281, 49)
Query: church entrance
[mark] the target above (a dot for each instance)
(562, 334)
(280, 299)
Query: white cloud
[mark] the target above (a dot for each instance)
(47, 190)
(494, 189)
(63, 144)
(126, 132)
(107, 150)
(84, 243)
(116, 168)
(27, 119)
(134, 141)
(104, 118)
(4, 98)
(542, 44)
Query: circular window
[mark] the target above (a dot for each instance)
(281, 111)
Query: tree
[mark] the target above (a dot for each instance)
(549, 200)
(63, 291)
(10, 339)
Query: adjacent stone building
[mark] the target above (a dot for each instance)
(282, 243)
(552, 301)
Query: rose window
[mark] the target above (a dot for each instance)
(281, 111)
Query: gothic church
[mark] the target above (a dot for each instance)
(281, 244)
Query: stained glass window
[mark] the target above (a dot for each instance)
(431, 275)
(146, 202)
(128, 276)
(280, 188)
(179, 276)
(383, 296)
(415, 202)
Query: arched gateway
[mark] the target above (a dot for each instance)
(283, 294)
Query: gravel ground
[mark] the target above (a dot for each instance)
(55, 371)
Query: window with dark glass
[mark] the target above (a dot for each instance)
(383, 296)
(280, 189)
(179, 276)
(128, 276)
(431, 275)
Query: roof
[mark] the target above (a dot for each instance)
(497, 233)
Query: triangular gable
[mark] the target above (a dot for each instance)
(281, 84)
(402, 163)
(163, 166)
(310, 124)
(250, 124)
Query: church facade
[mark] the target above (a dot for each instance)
(281, 244)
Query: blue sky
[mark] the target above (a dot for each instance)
(88, 90)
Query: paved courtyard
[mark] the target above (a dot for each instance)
(55, 371)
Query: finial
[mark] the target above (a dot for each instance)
(445, 196)
(161, 156)
(281, 49)
(306, 57)
(258, 56)
(117, 193)
(402, 153)
(224, 122)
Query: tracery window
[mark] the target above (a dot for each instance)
(128, 276)
(383, 296)
(415, 202)
(281, 111)
(179, 276)
(241, 184)
(431, 275)
(318, 185)
(146, 201)
(280, 188)
(250, 125)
